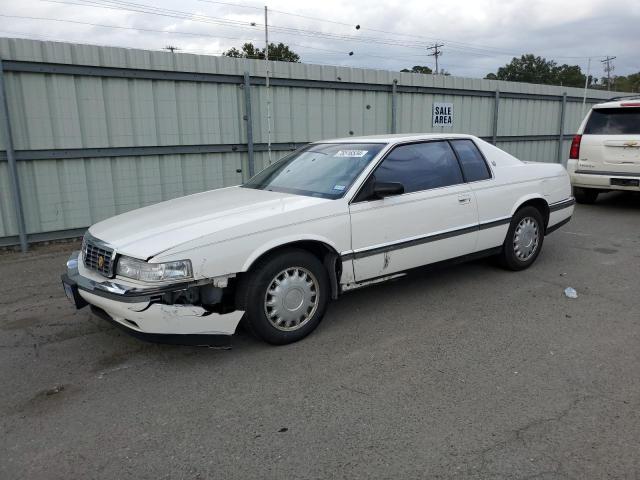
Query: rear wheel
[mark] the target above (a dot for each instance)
(284, 296)
(585, 195)
(524, 239)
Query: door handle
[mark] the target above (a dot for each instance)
(462, 199)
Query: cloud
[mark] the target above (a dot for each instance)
(479, 36)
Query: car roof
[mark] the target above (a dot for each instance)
(619, 102)
(396, 138)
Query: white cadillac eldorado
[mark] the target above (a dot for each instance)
(330, 217)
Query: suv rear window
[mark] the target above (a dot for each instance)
(613, 121)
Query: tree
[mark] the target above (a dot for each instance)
(283, 53)
(532, 69)
(280, 52)
(418, 69)
(569, 75)
(234, 52)
(527, 68)
(629, 83)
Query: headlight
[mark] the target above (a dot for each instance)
(154, 272)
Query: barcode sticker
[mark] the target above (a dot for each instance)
(351, 153)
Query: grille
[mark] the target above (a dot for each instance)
(97, 256)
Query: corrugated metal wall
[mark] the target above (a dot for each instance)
(62, 112)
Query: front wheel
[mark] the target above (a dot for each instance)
(284, 296)
(524, 239)
(585, 195)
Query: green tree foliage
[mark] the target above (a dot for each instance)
(531, 69)
(418, 69)
(280, 52)
(569, 75)
(629, 83)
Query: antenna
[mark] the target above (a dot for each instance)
(586, 85)
(171, 48)
(266, 76)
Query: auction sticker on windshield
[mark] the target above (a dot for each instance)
(351, 153)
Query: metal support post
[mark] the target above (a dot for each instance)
(11, 160)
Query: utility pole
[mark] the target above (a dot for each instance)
(266, 65)
(436, 53)
(171, 48)
(586, 85)
(608, 68)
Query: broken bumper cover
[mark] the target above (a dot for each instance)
(139, 311)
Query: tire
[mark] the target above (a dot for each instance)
(525, 231)
(280, 314)
(585, 195)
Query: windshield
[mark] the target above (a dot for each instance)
(325, 170)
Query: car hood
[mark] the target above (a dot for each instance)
(222, 213)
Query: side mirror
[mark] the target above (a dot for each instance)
(387, 189)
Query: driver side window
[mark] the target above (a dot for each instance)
(421, 166)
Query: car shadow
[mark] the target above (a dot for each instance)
(618, 201)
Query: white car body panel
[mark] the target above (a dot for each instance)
(166, 319)
(223, 232)
(204, 218)
(382, 229)
(606, 157)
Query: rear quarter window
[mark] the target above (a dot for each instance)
(613, 121)
(473, 165)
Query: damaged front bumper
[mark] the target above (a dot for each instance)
(148, 312)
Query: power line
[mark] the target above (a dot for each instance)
(203, 35)
(121, 27)
(148, 9)
(280, 12)
(427, 38)
(152, 10)
(29, 35)
(178, 32)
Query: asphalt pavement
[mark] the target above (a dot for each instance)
(462, 372)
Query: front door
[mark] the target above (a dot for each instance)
(435, 219)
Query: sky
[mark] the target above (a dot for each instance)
(477, 36)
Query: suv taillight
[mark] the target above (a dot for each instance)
(574, 153)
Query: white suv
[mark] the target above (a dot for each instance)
(605, 154)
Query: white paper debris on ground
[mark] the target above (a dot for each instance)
(570, 292)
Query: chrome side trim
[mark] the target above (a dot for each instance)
(405, 243)
(569, 202)
(556, 226)
(495, 223)
(421, 239)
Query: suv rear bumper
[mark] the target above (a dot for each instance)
(601, 179)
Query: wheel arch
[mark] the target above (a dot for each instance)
(537, 202)
(321, 248)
